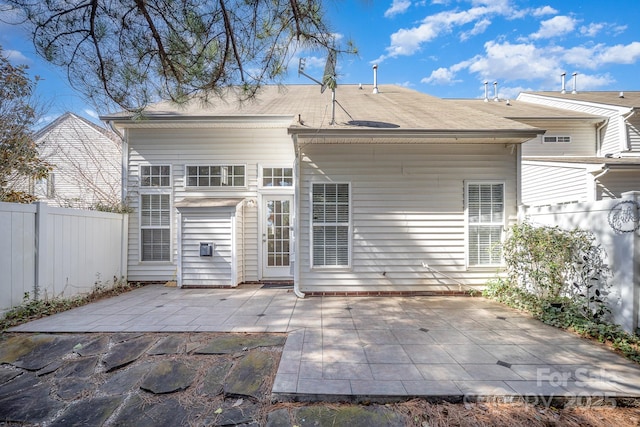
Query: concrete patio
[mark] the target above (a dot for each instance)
(377, 348)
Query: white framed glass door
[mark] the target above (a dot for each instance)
(276, 236)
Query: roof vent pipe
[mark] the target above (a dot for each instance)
(486, 91)
(375, 78)
(564, 89)
(621, 95)
(495, 91)
(575, 83)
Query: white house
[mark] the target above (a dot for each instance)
(376, 192)
(86, 160)
(574, 163)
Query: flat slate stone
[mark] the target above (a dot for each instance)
(168, 376)
(214, 379)
(92, 347)
(18, 383)
(34, 352)
(279, 418)
(172, 344)
(51, 367)
(126, 352)
(247, 376)
(73, 388)
(237, 415)
(84, 367)
(32, 406)
(168, 412)
(227, 344)
(89, 412)
(7, 375)
(124, 381)
(352, 416)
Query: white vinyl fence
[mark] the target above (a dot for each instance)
(615, 224)
(48, 252)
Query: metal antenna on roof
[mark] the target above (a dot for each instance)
(328, 79)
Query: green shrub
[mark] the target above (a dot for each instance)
(558, 266)
(560, 277)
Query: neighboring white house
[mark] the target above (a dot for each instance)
(87, 164)
(385, 192)
(572, 165)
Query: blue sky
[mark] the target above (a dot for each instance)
(446, 48)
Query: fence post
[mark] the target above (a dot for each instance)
(40, 247)
(635, 250)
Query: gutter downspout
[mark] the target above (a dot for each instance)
(625, 120)
(124, 172)
(296, 221)
(599, 137)
(605, 170)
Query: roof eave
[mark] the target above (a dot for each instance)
(334, 135)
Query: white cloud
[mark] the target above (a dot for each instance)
(441, 76)
(511, 92)
(591, 30)
(596, 56)
(397, 7)
(591, 82)
(554, 27)
(508, 61)
(619, 54)
(479, 28)
(544, 10)
(407, 41)
(91, 113)
(16, 57)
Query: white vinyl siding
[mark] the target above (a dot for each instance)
(612, 184)
(613, 134)
(485, 217)
(582, 135)
(633, 131)
(330, 225)
(220, 227)
(544, 183)
(181, 147)
(407, 208)
(155, 227)
(87, 164)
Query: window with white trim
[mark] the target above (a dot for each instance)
(555, 139)
(155, 176)
(331, 225)
(155, 227)
(277, 177)
(216, 176)
(485, 217)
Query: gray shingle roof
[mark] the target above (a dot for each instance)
(631, 99)
(394, 107)
(519, 110)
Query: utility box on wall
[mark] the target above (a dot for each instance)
(209, 242)
(206, 249)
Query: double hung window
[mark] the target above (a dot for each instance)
(485, 218)
(155, 213)
(331, 225)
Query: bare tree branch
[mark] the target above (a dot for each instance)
(132, 52)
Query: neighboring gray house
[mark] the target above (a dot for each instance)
(571, 165)
(378, 193)
(87, 164)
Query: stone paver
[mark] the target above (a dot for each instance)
(363, 347)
